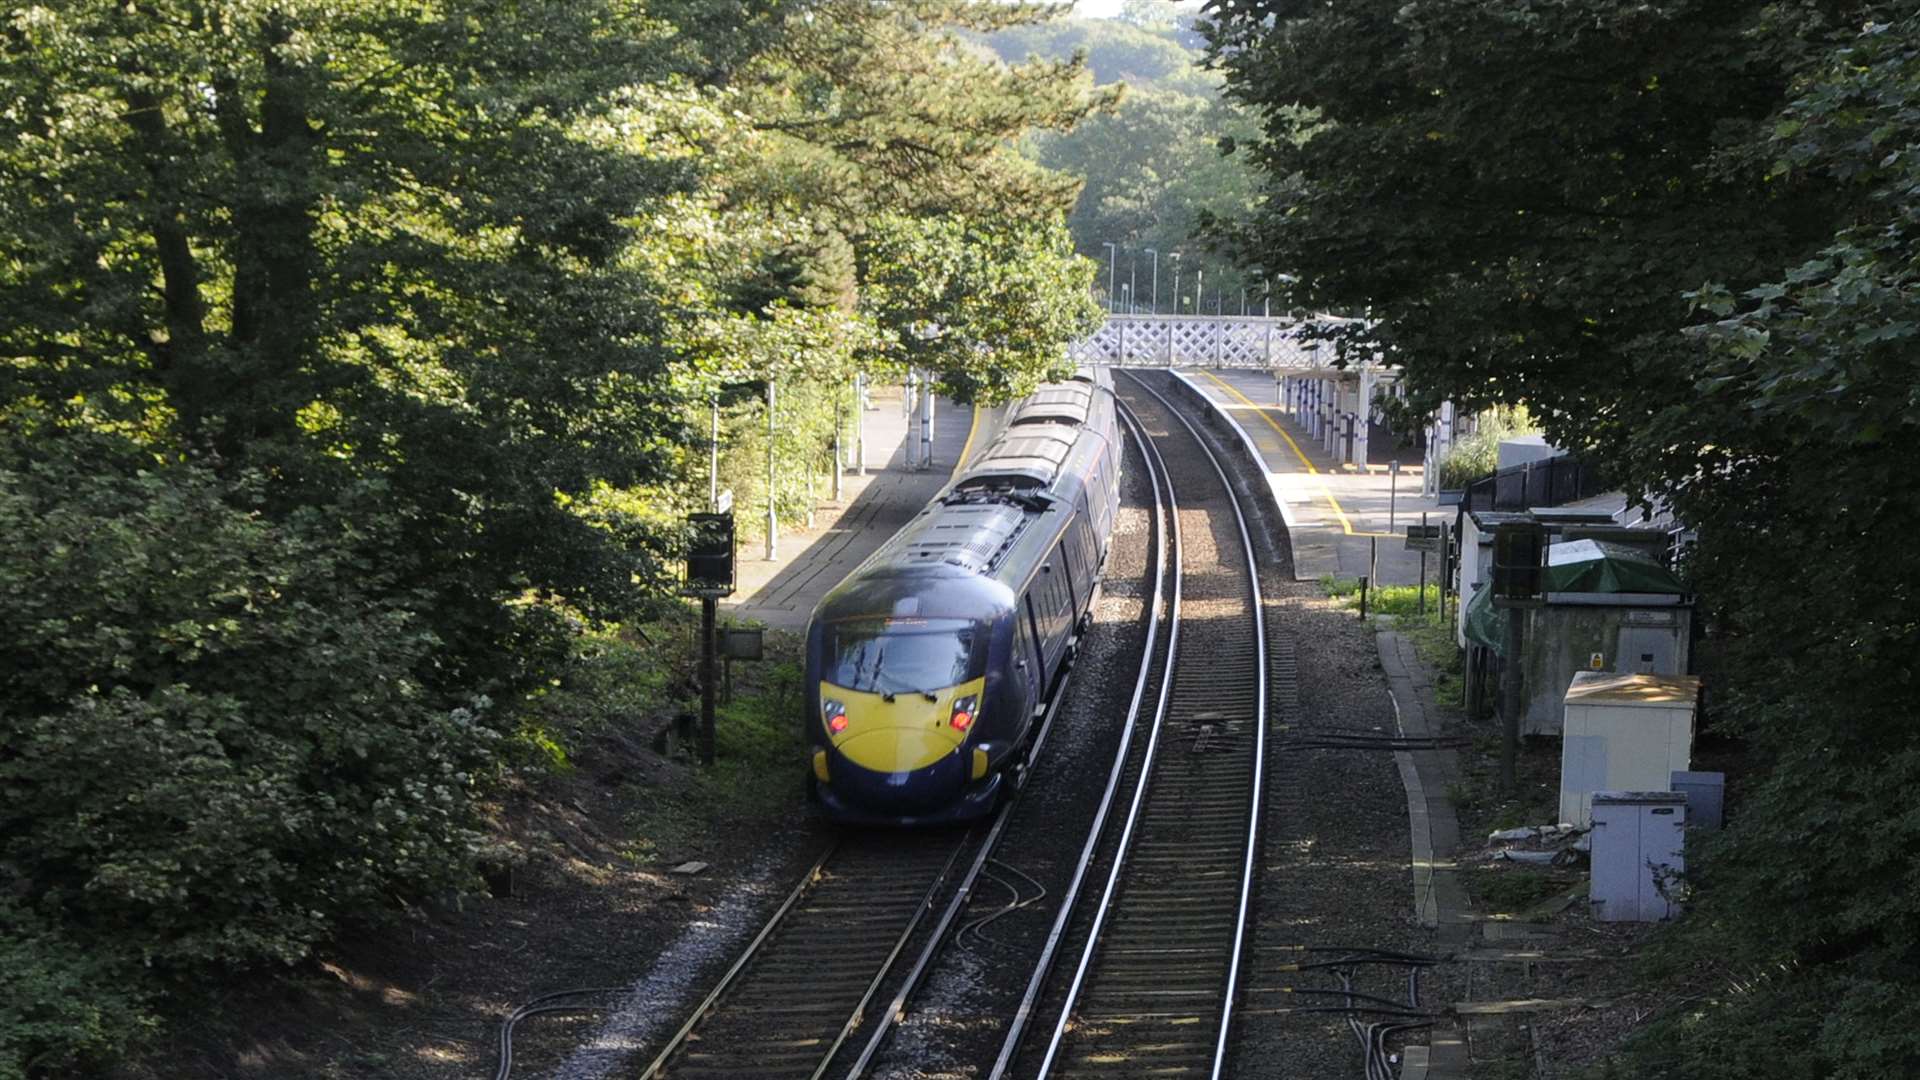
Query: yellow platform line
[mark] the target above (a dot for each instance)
(961, 462)
(1261, 410)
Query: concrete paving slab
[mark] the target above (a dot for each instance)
(1345, 521)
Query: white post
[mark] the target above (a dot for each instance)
(713, 460)
(1365, 409)
(860, 421)
(773, 520)
(926, 420)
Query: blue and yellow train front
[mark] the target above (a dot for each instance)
(896, 736)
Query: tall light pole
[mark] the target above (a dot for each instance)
(1199, 289)
(1156, 280)
(1176, 281)
(1111, 252)
(1133, 282)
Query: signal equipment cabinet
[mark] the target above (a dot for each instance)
(1623, 733)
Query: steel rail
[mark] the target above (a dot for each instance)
(1163, 513)
(739, 965)
(1152, 453)
(715, 998)
(1260, 734)
(937, 938)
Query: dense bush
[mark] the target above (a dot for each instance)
(1478, 454)
(213, 741)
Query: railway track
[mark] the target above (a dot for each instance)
(827, 973)
(1160, 948)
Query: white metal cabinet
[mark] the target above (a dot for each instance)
(1638, 854)
(1623, 733)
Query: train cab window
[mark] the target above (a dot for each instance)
(903, 656)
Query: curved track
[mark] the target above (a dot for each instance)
(1159, 968)
(793, 1003)
(803, 986)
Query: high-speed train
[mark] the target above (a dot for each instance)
(927, 668)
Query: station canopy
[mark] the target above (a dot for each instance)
(1577, 566)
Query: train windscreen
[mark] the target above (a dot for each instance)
(902, 656)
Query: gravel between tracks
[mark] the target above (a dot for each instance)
(1334, 869)
(954, 1028)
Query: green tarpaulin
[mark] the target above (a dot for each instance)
(1590, 566)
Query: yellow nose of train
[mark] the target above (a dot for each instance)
(897, 754)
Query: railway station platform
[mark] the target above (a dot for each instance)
(810, 561)
(1345, 521)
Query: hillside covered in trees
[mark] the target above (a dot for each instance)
(1159, 167)
(353, 356)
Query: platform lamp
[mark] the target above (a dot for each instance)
(1112, 252)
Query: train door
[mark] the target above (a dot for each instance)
(1028, 668)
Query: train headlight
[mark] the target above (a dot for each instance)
(835, 715)
(963, 714)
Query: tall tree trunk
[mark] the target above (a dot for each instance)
(178, 351)
(275, 260)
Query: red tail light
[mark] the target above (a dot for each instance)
(835, 714)
(962, 717)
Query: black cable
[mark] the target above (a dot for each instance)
(1040, 893)
(536, 1007)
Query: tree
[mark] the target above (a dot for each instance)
(349, 354)
(1158, 165)
(1527, 201)
(981, 282)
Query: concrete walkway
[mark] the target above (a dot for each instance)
(809, 562)
(1440, 900)
(1345, 521)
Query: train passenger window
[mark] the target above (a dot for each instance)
(890, 656)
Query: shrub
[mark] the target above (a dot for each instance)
(65, 1007)
(1478, 454)
(214, 742)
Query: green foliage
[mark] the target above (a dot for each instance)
(1683, 233)
(67, 1006)
(1153, 168)
(1478, 454)
(1510, 891)
(1396, 600)
(353, 363)
(1007, 298)
(214, 744)
(1335, 586)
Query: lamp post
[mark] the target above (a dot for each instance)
(1175, 257)
(1126, 294)
(1111, 252)
(1199, 289)
(1133, 281)
(1156, 281)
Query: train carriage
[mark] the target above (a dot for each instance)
(928, 667)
